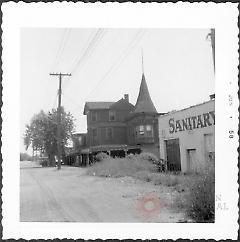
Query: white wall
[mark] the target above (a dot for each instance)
(188, 139)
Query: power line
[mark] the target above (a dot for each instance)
(81, 54)
(92, 45)
(83, 49)
(118, 62)
(88, 51)
(61, 50)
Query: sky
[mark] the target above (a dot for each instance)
(105, 64)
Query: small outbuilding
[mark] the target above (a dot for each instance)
(187, 137)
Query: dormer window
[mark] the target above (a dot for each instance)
(112, 115)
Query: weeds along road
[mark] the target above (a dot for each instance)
(68, 195)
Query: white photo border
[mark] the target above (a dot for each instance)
(222, 16)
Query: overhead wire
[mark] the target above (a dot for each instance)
(134, 41)
(85, 46)
(119, 61)
(98, 35)
(79, 56)
(57, 56)
(92, 43)
(67, 36)
(59, 48)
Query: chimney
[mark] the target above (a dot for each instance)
(126, 97)
(212, 96)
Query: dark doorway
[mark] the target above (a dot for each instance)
(173, 155)
(191, 160)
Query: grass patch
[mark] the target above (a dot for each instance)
(119, 167)
(194, 193)
(137, 166)
(201, 197)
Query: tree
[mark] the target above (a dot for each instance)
(41, 133)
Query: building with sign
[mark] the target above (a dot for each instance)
(187, 137)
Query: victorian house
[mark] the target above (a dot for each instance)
(120, 128)
(106, 126)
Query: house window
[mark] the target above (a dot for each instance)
(94, 134)
(109, 133)
(141, 129)
(149, 130)
(144, 131)
(94, 116)
(112, 115)
(80, 140)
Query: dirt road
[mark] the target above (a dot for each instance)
(69, 195)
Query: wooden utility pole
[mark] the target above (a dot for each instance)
(212, 37)
(213, 45)
(59, 115)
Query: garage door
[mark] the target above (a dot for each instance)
(173, 155)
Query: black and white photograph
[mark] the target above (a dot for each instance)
(120, 128)
(117, 126)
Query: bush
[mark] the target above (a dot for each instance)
(149, 157)
(201, 199)
(101, 156)
(160, 163)
(119, 167)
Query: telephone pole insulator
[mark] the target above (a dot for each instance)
(59, 114)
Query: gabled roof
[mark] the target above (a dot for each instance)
(144, 102)
(96, 106)
(122, 104)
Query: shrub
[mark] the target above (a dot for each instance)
(101, 156)
(119, 167)
(149, 157)
(159, 163)
(201, 199)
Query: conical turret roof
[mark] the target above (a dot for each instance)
(144, 102)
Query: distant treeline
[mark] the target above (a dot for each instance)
(25, 156)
